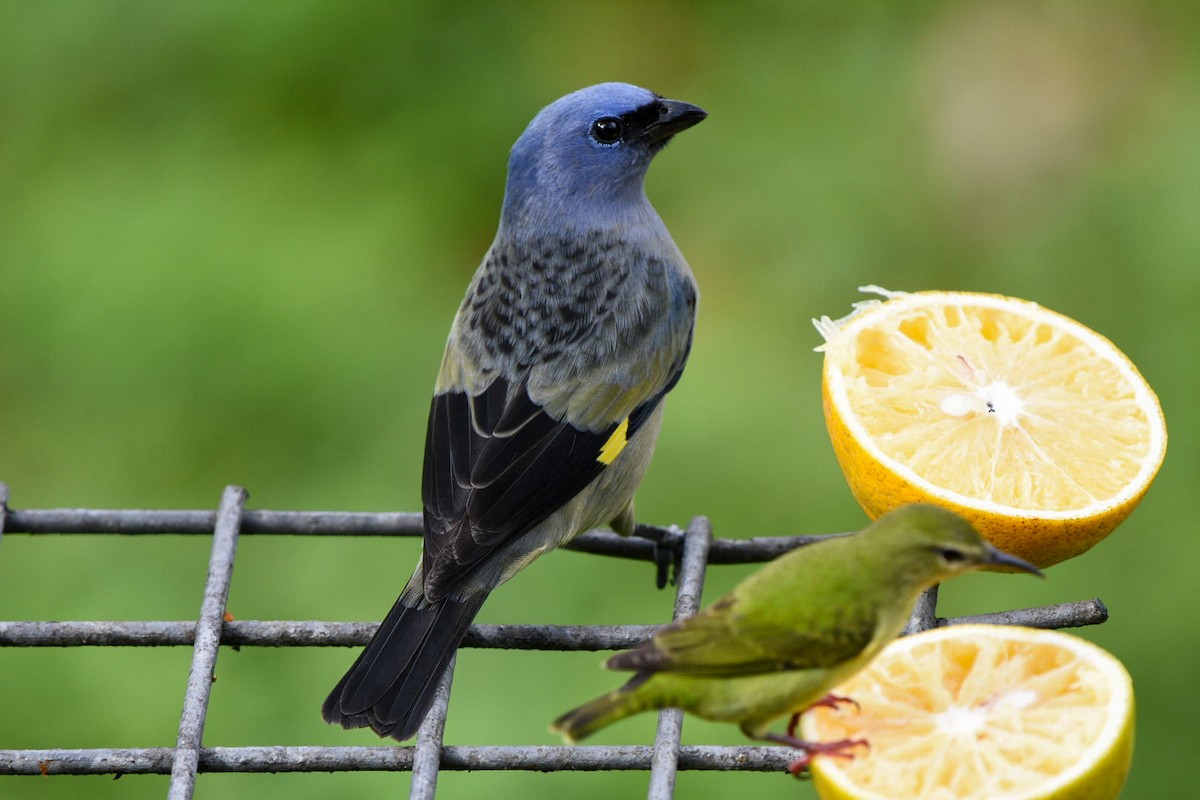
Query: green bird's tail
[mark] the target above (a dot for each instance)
(580, 723)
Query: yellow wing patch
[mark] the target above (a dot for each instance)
(615, 444)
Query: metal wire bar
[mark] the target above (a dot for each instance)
(1084, 612)
(427, 755)
(643, 545)
(546, 758)
(3, 508)
(663, 546)
(664, 764)
(208, 641)
(141, 521)
(924, 613)
(311, 633)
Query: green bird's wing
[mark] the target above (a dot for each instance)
(727, 641)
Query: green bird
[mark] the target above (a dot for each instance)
(784, 637)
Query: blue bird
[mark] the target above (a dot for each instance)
(550, 394)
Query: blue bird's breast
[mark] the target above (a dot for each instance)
(578, 298)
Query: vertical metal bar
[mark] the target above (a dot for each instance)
(427, 756)
(3, 507)
(208, 640)
(664, 761)
(924, 613)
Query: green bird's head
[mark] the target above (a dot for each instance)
(929, 544)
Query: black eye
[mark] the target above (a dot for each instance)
(951, 556)
(607, 130)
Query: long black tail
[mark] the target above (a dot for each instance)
(391, 685)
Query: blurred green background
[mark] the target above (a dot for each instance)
(233, 235)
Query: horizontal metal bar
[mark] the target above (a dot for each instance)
(643, 545)
(311, 633)
(304, 523)
(537, 758)
(647, 539)
(1064, 615)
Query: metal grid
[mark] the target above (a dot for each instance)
(689, 552)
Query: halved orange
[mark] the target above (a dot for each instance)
(981, 712)
(1032, 426)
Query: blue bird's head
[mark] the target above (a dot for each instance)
(586, 155)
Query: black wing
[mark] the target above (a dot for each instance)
(497, 465)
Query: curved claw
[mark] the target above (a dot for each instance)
(828, 701)
(835, 700)
(836, 749)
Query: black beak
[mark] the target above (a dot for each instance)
(673, 116)
(1010, 563)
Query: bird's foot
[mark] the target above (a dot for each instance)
(668, 551)
(665, 557)
(835, 700)
(828, 701)
(838, 749)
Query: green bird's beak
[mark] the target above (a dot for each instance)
(1004, 562)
